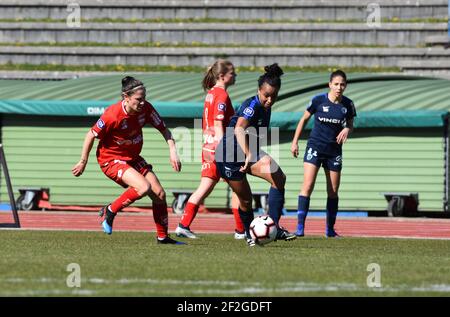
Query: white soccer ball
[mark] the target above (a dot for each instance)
(263, 230)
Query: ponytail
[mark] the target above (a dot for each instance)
(271, 76)
(220, 66)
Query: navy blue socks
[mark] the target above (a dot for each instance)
(302, 212)
(332, 209)
(247, 218)
(276, 203)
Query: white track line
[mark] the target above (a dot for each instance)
(211, 287)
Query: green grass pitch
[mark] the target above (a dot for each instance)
(35, 263)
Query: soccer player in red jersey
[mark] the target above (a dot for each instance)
(217, 113)
(119, 130)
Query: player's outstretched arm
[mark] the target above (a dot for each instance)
(174, 159)
(298, 131)
(78, 169)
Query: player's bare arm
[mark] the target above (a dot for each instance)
(298, 131)
(242, 140)
(78, 169)
(218, 130)
(174, 159)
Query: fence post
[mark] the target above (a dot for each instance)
(9, 187)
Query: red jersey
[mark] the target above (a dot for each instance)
(217, 107)
(120, 133)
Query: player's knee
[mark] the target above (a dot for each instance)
(143, 189)
(307, 189)
(162, 195)
(267, 160)
(159, 195)
(247, 202)
(332, 191)
(332, 194)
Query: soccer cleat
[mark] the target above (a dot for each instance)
(283, 234)
(106, 225)
(184, 233)
(239, 235)
(330, 233)
(251, 242)
(168, 240)
(106, 228)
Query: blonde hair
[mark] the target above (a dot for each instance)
(220, 66)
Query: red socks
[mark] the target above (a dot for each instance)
(237, 219)
(126, 199)
(161, 219)
(190, 211)
(159, 210)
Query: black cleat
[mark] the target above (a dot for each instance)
(168, 240)
(283, 234)
(330, 233)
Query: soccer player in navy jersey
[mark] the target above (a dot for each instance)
(333, 122)
(239, 153)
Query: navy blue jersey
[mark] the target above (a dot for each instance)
(329, 120)
(252, 110)
(258, 117)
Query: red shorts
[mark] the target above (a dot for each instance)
(209, 169)
(115, 169)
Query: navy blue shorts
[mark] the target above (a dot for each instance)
(332, 162)
(230, 170)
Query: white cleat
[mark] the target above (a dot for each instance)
(184, 233)
(239, 236)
